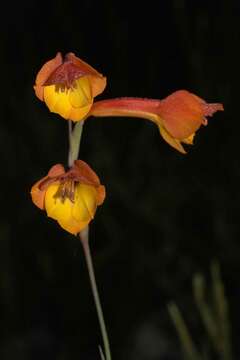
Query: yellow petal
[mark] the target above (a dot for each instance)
(72, 104)
(57, 101)
(80, 113)
(73, 227)
(176, 144)
(81, 94)
(85, 202)
(72, 216)
(189, 140)
(55, 207)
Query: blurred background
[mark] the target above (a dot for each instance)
(166, 215)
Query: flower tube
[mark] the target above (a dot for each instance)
(178, 116)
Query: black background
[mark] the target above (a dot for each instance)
(165, 216)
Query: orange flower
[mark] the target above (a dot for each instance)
(68, 86)
(178, 116)
(69, 197)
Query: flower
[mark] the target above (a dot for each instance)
(178, 116)
(68, 86)
(70, 197)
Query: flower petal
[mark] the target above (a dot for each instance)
(81, 95)
(57, 101)
(101, 194)
(72, 104)
(85, 173)
(56, 170)
(73, 227)
(73, 216)
(175, 143)
(84, 202)
(97, 80)
(189, 140)
(38, 195)
(182, 114)
(62, 211)
(45, 72)
(98, 84)
(55, 207)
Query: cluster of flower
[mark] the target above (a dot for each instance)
(68, 86)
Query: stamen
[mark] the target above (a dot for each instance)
(63, 192)
(60, 88)
(66, 190)
(71, 194)
(74, 85)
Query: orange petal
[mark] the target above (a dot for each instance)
(45, 72)
(210, 109)
(39, 188)
(101, 194)
(86, 174)
(86, 68)
(97, 80)
(98, 84)
(182, 114)
(56, 170)
(38, 195)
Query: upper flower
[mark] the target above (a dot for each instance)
(69, 197)
(178, 116)
(68, 86)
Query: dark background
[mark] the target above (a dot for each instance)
(166, 215)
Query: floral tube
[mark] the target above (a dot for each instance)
(178, 116)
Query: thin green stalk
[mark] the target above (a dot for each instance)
(188, 346)
(207, 314)
(70, 143)
(75, 135)
(85, 243)
(221, 307)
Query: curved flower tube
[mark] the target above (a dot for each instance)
(178, 116)
(68, 86)
(69, 197)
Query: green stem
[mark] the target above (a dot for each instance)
(75, 135)
(85, 243)
(189, 348)
(221, 307)
(207, 314)
(70, 143)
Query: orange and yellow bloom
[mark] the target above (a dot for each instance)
(178, 116)
(69, 197)
(68, 86)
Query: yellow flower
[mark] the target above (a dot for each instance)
(71, 198)
(68, 86)
(178, 116)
